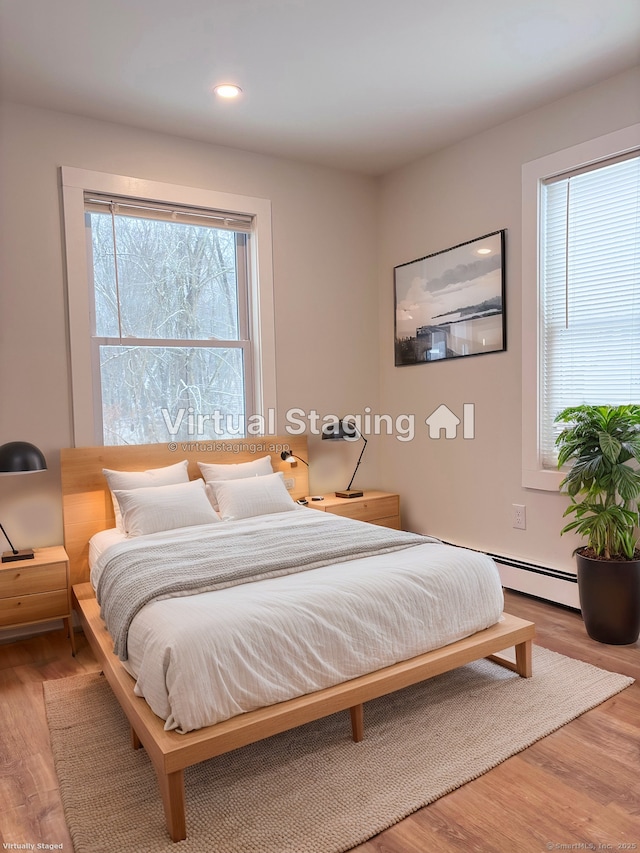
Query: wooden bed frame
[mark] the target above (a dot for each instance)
(88, 509)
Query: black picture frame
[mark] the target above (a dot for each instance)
(451, 304)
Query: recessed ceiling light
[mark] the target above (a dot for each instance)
(483, 251)
(227, 90)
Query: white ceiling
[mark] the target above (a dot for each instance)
(367, 85)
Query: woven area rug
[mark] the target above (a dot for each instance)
(310, 790)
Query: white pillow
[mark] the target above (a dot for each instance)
(150, 510)
(167, 476)
(253, 496)
(214, 473)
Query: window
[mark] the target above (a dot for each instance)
(174, 329)
(585, 347)
(170, 336)
(589, 293)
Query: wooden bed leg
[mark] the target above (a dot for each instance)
(524, 665)
(135, 740)
(357, 722)
(172, 790)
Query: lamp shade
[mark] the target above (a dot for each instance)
(340, 431)
(20, 457)
(288, 456)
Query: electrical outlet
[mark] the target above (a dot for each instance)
(289, 483)
(519, 517)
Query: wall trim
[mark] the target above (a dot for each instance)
(533, 567)
(516, 563)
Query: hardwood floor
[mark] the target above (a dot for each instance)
(576, 789)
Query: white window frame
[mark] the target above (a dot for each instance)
(534, 476)
(75, 183)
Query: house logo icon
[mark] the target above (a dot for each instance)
(444, 420)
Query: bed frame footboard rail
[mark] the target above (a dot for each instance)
(170, 753)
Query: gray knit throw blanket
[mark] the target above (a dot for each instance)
(138, 573)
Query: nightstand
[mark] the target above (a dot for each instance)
(37, 590)
(381, 508)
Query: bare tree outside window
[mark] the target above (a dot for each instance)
(169, 333)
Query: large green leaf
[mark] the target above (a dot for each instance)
(610, 446)
(627, 483)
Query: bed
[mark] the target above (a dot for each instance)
(174, 735)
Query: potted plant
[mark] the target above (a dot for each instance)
(602, 446)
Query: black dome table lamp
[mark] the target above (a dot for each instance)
(19, 457)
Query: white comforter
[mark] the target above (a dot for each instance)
(200, 659)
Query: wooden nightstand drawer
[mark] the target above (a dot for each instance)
(37, 590)
(23, 579)
(392, 521)
(368, 509)
(32, 608)
(382, 508)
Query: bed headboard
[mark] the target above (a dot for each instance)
(86, 501)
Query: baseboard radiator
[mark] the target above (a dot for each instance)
(532, 567)
(525, 566)
(552, 585)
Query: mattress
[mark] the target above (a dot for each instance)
(99, 543)
(200, 659)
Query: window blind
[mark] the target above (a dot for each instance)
(144, 209)
(589, 292)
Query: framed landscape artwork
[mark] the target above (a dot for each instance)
(451, 304)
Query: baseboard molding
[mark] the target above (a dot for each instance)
(532, 567)
(538, 581)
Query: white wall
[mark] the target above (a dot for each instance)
(462, 491)
(324, 273)
(334, 330)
